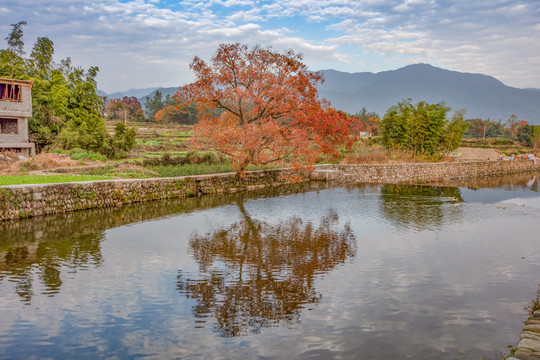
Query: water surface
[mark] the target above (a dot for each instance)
(371, 272)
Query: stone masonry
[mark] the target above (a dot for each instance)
(21, 201)
(529, 344)
(421, 172)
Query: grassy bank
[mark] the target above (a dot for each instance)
(46, 179)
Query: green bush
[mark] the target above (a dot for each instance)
(79, 154)
(525, 135)
(375, 140)
(121, 142)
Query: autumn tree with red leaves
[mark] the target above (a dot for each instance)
(259, 106)
(127, 108)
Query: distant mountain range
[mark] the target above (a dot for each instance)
(138, 93)
(481, 95)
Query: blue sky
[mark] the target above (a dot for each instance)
(144, 43)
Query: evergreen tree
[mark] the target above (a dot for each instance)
(15, 49)
(154, 104)
(42, 56)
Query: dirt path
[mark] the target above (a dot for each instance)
(470, 154)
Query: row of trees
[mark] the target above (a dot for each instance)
(168, 110)
(424, 128)
(513, 129)
(480, 128)
(157, 108)
(177, 113)
(126, 109)
(65, 103)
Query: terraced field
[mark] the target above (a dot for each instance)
(154, 140)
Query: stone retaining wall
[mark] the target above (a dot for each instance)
(529, 344)
(420, 173)
(20, 201)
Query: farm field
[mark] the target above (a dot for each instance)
(153, 139)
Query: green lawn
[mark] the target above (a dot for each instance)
(190, 169)
(201, 169)
(47, 179)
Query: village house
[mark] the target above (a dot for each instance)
(15, 109)
(365, 134)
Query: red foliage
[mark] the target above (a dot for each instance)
(513, 125)
(259, 106)
(170, 113)
(125, 108)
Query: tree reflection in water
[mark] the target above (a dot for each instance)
(46, 248)
(47, 259)
(420, 207)
(254, 274)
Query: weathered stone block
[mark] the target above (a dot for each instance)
(530, 335)
(535, 328)
(529, 344)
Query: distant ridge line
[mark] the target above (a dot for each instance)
(481, 95)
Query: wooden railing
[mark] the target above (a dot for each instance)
(10, 92)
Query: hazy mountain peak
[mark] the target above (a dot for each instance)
(483, 96)
(131, 92)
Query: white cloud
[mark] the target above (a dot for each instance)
(231, 3)
(488, 37)
(247, 16)
(142, 43)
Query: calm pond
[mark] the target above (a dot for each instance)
(356, 272)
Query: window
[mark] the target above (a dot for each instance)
(10, 92)
(9, 126)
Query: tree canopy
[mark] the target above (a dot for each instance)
(260, 106)
(127, 108)
(511, 129)
(155, 103)
(15, 50)
(422, 129)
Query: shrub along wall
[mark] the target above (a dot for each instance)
(20, 201)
